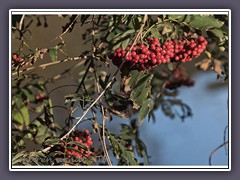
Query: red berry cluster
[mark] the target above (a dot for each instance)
(39, 97)
(179, 78)
(15, 58)
(143, 57)
(76, 151)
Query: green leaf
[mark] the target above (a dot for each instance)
(50, 142)
(21, 116)
(17, 117)
(27, 92)
(84, 18)
(53, 53)
(42, 133)
(142, 83)
(144, 109)
(155, 33)
(180, 18)
(142, 97)
(217, 33)
(125, 43)
(83, 100)
(170, 66)
(128, 32)
(136, 22)
(186, 18)
(205, 22)
(110, 36)
(17, 101)
(175, 17)
(27, 135)
(134, 77)
(128, 155)
(176, 31)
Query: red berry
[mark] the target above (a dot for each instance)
(201, 38)
(76, 139)
(134, 53)
(86, 131)
(119, 50)
(154, 61)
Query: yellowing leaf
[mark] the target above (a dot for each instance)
(204, 64)
(218, 66)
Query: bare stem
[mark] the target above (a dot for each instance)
(215, 150)
(51, 63)
(103, 123)
(21, 22)
(68, 28)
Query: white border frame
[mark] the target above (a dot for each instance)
(120, 168)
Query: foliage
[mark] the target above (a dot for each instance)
(103, 88)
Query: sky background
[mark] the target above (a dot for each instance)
(173, 142)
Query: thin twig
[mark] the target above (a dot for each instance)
(51, 63)
(224, 138)
(98, 131)
(103, 122)
(69, 27)
(214, 151)
(21, 22)
(101, 105)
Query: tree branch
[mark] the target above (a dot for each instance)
(50, 64)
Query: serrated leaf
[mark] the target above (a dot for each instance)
(142, 97)
(128, 155)
(155, 33)
(128, 32)
(110, 36)
(134, 77)
(53, 53)
(205, 22)
(216, 32)
(142, 83)
(144, 109)
(125, 43)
